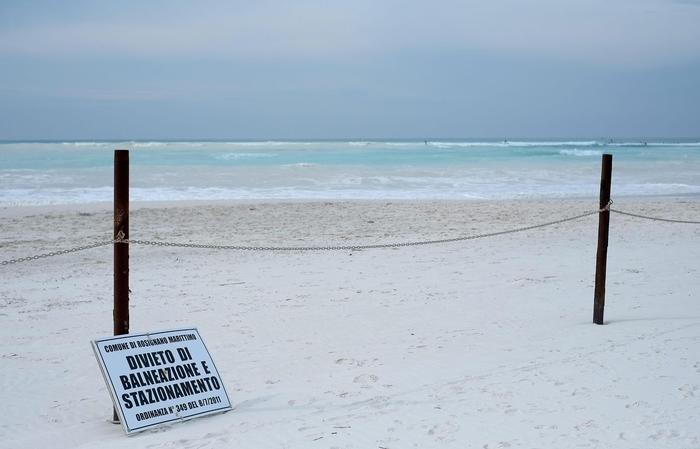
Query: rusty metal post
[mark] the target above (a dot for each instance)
(121, 250)
(603, 233)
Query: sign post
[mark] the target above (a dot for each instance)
(121, 250)
(160, 377)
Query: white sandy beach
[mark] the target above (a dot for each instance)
(484, 343)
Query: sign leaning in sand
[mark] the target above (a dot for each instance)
(160, 377)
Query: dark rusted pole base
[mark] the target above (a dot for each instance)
(603, 233)
(121, 250)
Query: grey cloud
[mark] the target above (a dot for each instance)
(643, 33)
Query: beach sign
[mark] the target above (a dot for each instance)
(160, 377)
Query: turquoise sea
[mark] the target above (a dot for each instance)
(41, 173)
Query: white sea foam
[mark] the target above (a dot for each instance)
(238, 156)
(584, 143)
(301, 165)
(359, 188)
(147, 144)
(506, 143)
(88, 144)
(273, 143)
(654, 144)
(465, 144)
(580, 153)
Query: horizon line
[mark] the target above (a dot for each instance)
(618, 139)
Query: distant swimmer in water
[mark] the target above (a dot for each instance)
(426, 142)
(505, 141)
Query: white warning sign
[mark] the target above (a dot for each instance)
(160, 377)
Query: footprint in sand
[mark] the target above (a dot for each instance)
(443, 431)
(365, 379)
(664, 434)
(688, 390)
(636, 404)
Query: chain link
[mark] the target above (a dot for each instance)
(57, 253)
(646, 217)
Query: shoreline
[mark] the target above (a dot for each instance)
(94, 207)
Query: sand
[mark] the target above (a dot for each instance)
(484, 343)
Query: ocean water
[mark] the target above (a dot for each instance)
(43, 173)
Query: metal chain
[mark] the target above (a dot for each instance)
(355, 247)
(57, 253)
(667, 220)
(120, 239)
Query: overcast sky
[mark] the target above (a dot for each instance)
(352, 69)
